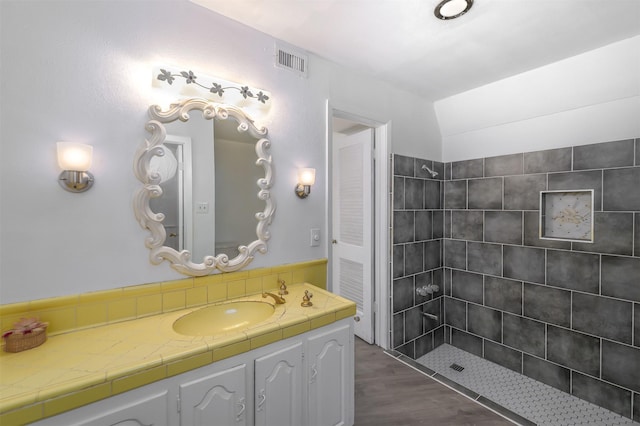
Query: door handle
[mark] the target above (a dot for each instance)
(262, 398)
(243, 407)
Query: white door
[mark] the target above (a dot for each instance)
(352, 199)
(278, 388)
(331, 378)
(217, 399)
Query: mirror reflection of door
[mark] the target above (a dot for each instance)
(176, 201)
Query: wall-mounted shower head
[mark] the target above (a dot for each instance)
(431, 172)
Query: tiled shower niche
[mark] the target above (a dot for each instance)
(564, 313)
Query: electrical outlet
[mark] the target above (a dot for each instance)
(202, 208)
(315, 237)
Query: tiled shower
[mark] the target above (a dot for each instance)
(564, 313)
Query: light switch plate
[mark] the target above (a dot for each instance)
(315, 237)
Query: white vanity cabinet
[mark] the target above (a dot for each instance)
(305, 380)
(330, 377)
(278, 387)
(220, 396)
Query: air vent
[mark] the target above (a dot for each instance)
(291, 60)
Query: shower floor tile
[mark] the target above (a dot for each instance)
(533, 400)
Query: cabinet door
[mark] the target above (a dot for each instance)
(216, 399)
(330, 377)
(149, 410)
(278, 388)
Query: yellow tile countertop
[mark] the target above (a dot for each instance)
(77, 368)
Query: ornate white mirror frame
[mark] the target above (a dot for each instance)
(181, 260)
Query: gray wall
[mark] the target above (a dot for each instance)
(560, 312)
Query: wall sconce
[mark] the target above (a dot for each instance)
(306, 178)
(75, 160)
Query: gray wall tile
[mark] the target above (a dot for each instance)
(438, 336)
(398, 329)
(636, 235)
(638, 156)
(576, 271)
(485, 322)
(620, 189)
(503, 294)
(467, 169)
(423, 225)
(551, 160)
(574, 350)
(438, 224)
(503, 227)
(398, 193)
(467, 286)
(546, 372)
(398, 261)
(532, 231)
(455, 254)
(547, 304)
(636, 324)
(413, 323)
(403, 225)
(413, 258)
(455, 313)
(402, 293)
(432, 254)
(523, 334)
(402, 165)
(605, 395)
(613, 233)
(413, 193)
(579, 180)
(603, 155)
(523, 192)
(466, 342)
(485, 193)
(636, 396)
(455, 194)
(466, 225)
(484, 257)
(524, 263)
(602, 316)
(424, 344)
(407, 349)
(503, 355)
(438, 167)
(432, 194)
(447, 171)
(503, 165)
(621, 365)
(621, 277)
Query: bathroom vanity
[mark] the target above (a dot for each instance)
(294, 367)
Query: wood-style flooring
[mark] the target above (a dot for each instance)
(388, 392)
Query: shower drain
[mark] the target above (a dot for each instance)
(456, 367)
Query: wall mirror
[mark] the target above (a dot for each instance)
(206, 173)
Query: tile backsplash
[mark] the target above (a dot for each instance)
(565, 313)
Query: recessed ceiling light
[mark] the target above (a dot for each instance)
(451, 9)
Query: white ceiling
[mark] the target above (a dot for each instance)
(401, 41)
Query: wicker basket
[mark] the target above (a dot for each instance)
(22, 342)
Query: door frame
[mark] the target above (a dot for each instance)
(381, 191)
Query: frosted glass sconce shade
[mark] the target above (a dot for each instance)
(75, 161)
(306, 178)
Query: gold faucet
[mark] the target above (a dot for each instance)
(279, 300)
(283, 288)
(306, 299)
